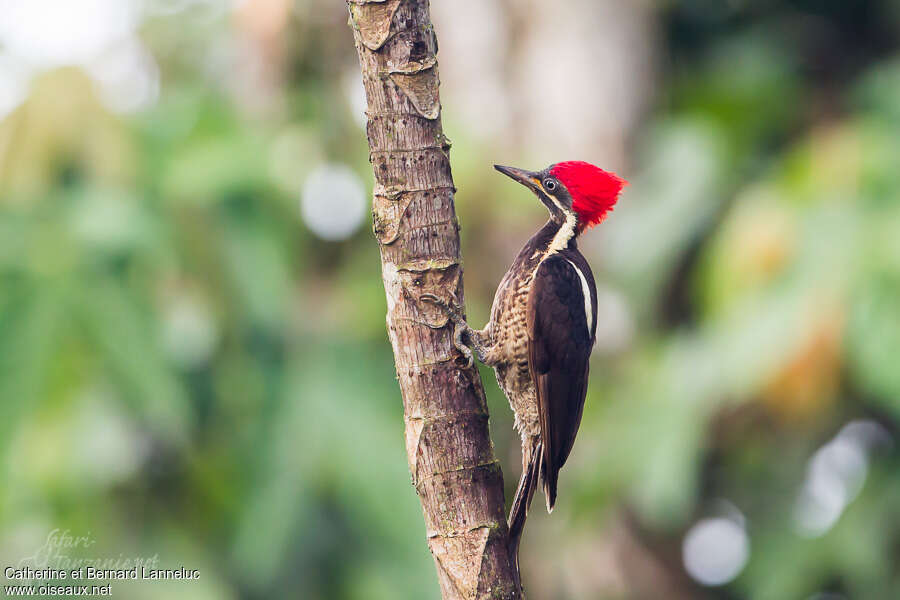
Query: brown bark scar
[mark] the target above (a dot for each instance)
(421, 89)
(434, 277)
(373, 20)
(387, 213)
(412, 67)
(413, 440)
(460, 557)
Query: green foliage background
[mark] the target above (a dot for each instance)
(186, 370)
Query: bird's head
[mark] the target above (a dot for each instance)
(572, 189)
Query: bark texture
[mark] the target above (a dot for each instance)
(448, 445)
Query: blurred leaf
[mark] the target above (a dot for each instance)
(666, 207)
(128, 346)
(206, 170)
(29, 325)
(259, 272)
(874, 342)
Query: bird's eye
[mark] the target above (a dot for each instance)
(550, 185)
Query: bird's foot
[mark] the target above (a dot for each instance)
(452, 309)
(461, 329)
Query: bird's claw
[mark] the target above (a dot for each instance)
(459, 324)
(452, 310)
(432, 299)
(459, 330)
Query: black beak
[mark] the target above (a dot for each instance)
(529, 179)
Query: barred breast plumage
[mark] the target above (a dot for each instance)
(509, 336)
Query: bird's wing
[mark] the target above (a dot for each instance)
(562, 308)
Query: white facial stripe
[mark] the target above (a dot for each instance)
(556, 202)
(588, 313)
(553, 198)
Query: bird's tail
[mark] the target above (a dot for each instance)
(524, 493)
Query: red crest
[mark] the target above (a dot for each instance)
(594, 191)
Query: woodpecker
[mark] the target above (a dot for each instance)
(543, 326)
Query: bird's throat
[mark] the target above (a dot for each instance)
(564, 235)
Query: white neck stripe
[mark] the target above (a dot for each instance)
(563, 236)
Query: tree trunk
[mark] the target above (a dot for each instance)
(448, 444)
